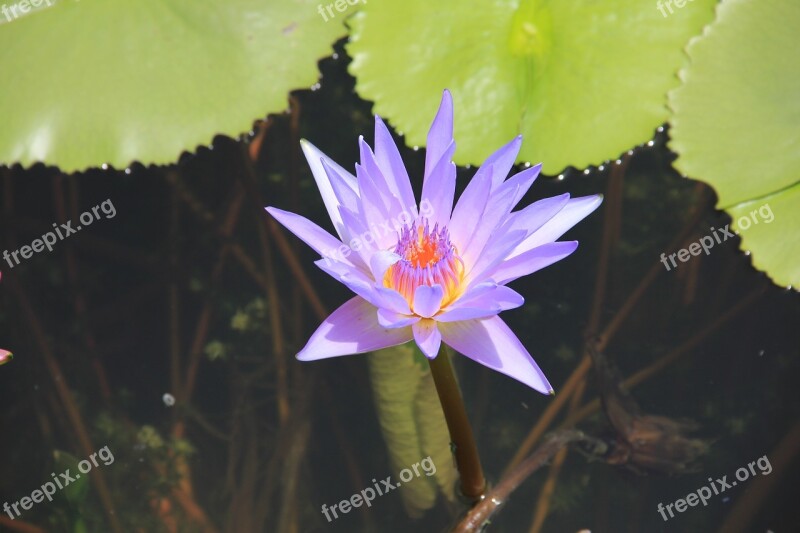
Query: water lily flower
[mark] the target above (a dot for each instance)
(436, 273)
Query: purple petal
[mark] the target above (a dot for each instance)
(439, 190)
(482, 305)
(392, 300)
(314, 157)
(487, 294)
(351, 329)
(428, 337)
(371, 165)
(534, 216)
(477, 290)
(466, 214)
(532, 260)
(380, 262)
(353, 279)
(428, 300)
(346, 196)
(390, 201)
(498, 165)
(467, 313)
(523, 180)
(362, 241)
(372, 206)
(495, 252)
(440, 136)
(391, 164)
(572, 213)
(317, 238)
(491, 343)
(390, 319)
(364, 286)
(497, 209)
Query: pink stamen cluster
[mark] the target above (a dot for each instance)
(427, 258)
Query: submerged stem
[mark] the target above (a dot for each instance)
(473, 484)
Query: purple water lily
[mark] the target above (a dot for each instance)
(435, 273)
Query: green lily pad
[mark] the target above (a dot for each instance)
(90, 82)
(769, 230)
(735, 124)
(582, 80)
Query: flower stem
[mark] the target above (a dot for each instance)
(473, 484)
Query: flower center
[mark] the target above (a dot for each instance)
(427, 258)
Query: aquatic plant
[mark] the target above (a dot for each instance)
(442, 275)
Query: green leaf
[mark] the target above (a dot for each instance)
(774, 245)
(412, 423)
(735, 124)
(90, 82)
(582, 81)
(74, 491)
